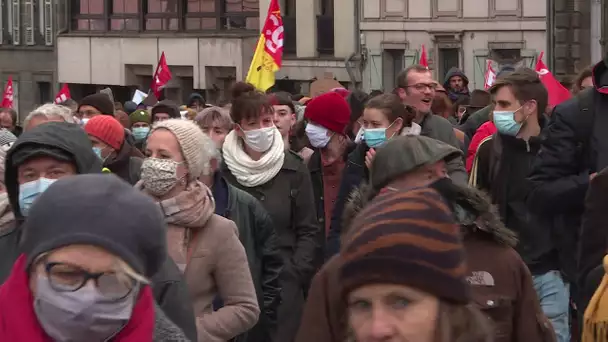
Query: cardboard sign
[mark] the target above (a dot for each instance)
(324, 85)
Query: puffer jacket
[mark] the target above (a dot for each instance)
(502, 285)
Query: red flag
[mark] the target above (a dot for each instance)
(7, 97)
(162, 76)
(268, 55)
(557, 92)
(423, 58)
(63, 94)
(490, 76)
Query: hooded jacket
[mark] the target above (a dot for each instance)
(69, 138)
(124, 164)
(502, 286)
(453, 94)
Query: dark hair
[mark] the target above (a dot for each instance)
(12, 113)
(298, 138)
(462, 100)
(356, 101)
(375, 93)
(577, 86)
(526, 86)
(248, 103)
(282, 98)
(441, 105)
(297, 97)
(118, 106)
(402, 76)
(391, 106)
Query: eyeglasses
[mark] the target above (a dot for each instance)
(69, 278)
(423, 86)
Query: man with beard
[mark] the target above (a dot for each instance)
(456, 84)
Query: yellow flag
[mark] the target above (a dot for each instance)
(262, 69)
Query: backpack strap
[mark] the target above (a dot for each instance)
(475, 167)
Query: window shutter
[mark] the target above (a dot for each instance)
(375, 70)
(479, 72)
(411, 58)
(48, 22)
(528, 59)
(28, 24)
(16, 21)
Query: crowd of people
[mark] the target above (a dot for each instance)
(431, 213)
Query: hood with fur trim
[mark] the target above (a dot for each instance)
(472, 209)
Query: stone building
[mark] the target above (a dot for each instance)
(208, 44)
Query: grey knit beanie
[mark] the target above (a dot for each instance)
(190, 139)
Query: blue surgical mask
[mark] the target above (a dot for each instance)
(505, 122)
(97, 151)
(29, 192)
(375, 137)
(84, 121)
(140, 133)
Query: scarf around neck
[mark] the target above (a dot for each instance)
(18, 321)
(249, 172)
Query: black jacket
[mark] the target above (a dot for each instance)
(504, 164)
(124, 165)
(257, 234)
(70, 139)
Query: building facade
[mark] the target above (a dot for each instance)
(27, 40)
(208, 44)
(456, 33)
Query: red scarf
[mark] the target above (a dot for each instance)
(18, 321)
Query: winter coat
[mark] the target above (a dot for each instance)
(70, 139)
(502, 286)
(257, 234)
(171, 294)
(475, 120)
(484, 131)
(288, 198)
(124, 165)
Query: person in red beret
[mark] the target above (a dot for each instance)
(108, 138)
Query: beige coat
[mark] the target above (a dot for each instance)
(218, 266)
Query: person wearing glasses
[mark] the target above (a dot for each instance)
(84, 276)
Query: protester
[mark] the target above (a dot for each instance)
(205, 246)
(95, 104)
(130, 107)
(479, 100)
(196, 102)
(72, 105)
(108, 140)
(427, 300)
(40, 156)
(8, 120)
(123, 118)
(84, 276)
(216, 123)
(257, 234)
(484, 131)
(356, 101)
(284, 115)
(140, 127)
(416, 88)
(456, 84)
(256, 161)
(573, 151)
(583, 81)
(46, 113)
(442, 106)
(165, 110)
(504, 162)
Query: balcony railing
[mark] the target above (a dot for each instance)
(325, 34)
(290, 35)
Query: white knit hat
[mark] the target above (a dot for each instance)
(190, 139)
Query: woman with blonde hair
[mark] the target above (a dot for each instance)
(83, 274)
(205, 246)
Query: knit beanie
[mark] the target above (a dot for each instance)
(130, 225)
(190, 139)
(6, 137)
(406, 238)
(130, 107)
(107, 129)
(166, 106)
(140, 115)
(329, 110)
(100, 101)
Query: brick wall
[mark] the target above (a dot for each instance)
(571, 36)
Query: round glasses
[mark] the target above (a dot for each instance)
(69, 278)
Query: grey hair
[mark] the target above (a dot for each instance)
(213, 153)
(50, 111)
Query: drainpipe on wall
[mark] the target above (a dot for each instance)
(550, 37)
(63, 27)
(351, 57)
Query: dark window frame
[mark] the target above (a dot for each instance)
(221, 15)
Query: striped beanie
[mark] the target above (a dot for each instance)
(407, 238)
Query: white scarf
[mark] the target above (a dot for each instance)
(414, 129)
(249, 172)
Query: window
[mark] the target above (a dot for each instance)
(201, 15)
(448, 58)
(44, 92)
(392, 64)
(162, 15)
(505, 56)
(125, 15)
(88, 15)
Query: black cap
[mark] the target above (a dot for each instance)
(101, 101)
(99, 210)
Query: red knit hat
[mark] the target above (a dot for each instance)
(329, 110)
(107, 129)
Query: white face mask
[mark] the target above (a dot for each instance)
(317, 135)
(260, 140)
